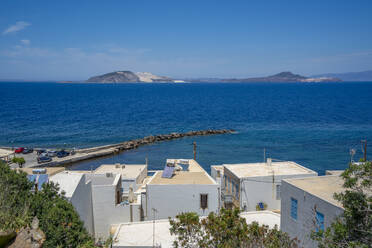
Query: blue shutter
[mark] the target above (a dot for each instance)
(319, 221)
(294, 208)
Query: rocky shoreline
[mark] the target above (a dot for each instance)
(133, 144)
(113, 149)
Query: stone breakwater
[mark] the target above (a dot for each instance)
(133, 144)
(107, 150)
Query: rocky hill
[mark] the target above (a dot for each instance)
(284, 77)
(128, 77)
(115, 77)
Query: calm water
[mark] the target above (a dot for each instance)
(312, 124)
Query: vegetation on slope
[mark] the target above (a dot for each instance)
(58, 219)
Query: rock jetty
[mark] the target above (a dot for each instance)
(108, 150)
(133, 144)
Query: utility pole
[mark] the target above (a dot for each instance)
(264, 155)
(194, 143)
(153, 227)
(364, 149)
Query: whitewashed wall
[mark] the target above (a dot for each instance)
(82, 201)
(306, 206)
(262, 189)
(170, 200)
(107, 213)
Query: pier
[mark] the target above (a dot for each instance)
(113, 149)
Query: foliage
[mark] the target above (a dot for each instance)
(58, 218)
(224, 230)
(15, 198)
(19, 160)
(354, 227)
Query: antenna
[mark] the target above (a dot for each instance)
(264, 155)
(194, 143)
(364, 149)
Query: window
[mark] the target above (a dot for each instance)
(117, 200)
(319, 221)
(278, 192)
(203, 201)
(294, 208)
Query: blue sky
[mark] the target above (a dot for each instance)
(73, 40)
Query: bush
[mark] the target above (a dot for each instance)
(58, 218)
(226, 229)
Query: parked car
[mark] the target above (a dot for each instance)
(40, 151)
(43, 159)
(28, 150)
(19, 150)
(52, 153)
(62, 154)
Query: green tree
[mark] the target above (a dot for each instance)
(224, 230)
(15, 198)
(19, 160)
(58, 218)
(354, 227)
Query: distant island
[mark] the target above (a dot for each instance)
(147, 77)
(129, 77)
(362, 76)
(282, 77)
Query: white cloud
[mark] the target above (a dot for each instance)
(25, 42)
(16, 27)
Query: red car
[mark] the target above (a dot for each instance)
(19, 150)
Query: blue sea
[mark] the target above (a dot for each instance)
(314, 124)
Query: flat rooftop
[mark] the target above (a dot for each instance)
(265, 169)
(140, 234)
(49, 170)
(103, 179)
(67, 181)
(126, 170)
(322, 187)
(194, 175)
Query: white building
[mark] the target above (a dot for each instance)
(184, 186)
(141, 234)
(108, 207)
(97, 199)
(308, 205)
(255, 186)
(132, 175)
(78, 191)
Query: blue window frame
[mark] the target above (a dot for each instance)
(319, 221)
(294, 208)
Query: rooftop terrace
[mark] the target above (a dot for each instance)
(267, 169)
(322, 187)
(194, 175)
(140, 234)
(126, 171)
